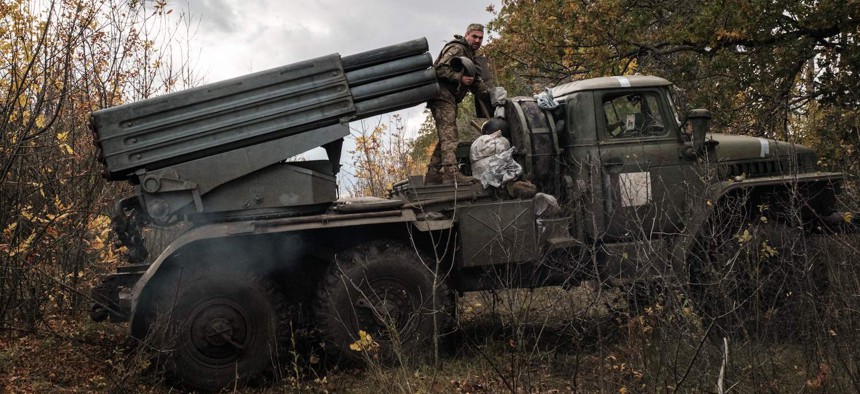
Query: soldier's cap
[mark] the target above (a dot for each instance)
(475, 26)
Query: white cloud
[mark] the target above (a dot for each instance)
(238, 37)
(216, 16)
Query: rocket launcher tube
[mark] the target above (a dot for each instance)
(393, 85)
(385, 54)
(295, 99)
(389, 69)
(393, 102)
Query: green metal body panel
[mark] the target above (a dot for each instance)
(825, 184)
(641, 174)
(497, 233)
(242, 228)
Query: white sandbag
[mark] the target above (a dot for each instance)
(501, 168)
(485, 147)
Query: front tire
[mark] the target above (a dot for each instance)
(759, 280)
(386, 290)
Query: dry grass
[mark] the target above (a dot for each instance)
(536, 341)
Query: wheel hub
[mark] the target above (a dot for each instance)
(219, 332)
(387, 301)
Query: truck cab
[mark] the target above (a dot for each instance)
(624, 146)
(629, 178)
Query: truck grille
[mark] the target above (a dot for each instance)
(766, 168)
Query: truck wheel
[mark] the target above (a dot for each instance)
(762, 280)
(386, 291)
(219, 328)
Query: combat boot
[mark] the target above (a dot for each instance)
(450, 174)
(433, 179)
(433, 176)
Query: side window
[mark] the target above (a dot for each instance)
(633, 115)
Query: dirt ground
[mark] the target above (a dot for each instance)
(536, 341)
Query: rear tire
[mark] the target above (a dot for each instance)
(219, 328)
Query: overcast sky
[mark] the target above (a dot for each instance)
(239, 37)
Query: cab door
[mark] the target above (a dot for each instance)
(640, 165)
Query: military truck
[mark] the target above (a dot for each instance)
(270, 248)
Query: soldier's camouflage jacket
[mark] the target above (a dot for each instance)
(449, 80)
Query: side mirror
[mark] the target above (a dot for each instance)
(701, 120)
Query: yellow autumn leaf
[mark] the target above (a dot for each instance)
(26, 214)
(24, 246)
(56, 218)
(99, 224)
(7, 232)
(767, 250)
(848, 217)
(96, 244)
(364, 343)
(745, 237)
(68, 149)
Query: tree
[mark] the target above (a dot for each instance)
(421, 148)
(382, 156)
(60, 60)
(772, 68)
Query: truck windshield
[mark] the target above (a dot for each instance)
(635, 114)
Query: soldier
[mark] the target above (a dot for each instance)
(454, 83)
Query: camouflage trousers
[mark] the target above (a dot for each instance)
(444, 154)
